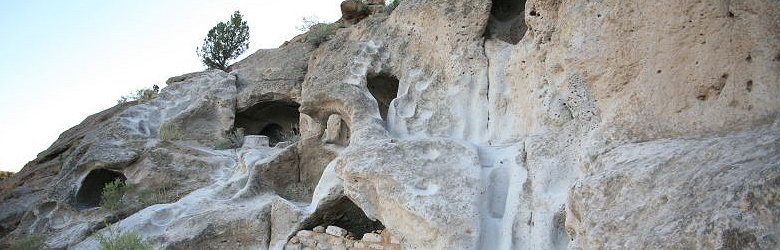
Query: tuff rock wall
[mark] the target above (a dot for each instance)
(449, 125)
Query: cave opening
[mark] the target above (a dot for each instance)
(276, 119)
(91, 189)
(345, 214)
(384, 88)
(507, 21)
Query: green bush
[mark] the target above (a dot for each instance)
(141, 95)
(321, 32)
(111, 198)
(234, 139)
(35, 242)
(170, 131)
(225, 42)
(126, 241)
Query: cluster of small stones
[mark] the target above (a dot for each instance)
(337, 238)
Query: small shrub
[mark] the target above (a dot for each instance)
(111, 198)
(141, 95)
(234, 139)
(5, 175)
(160, 196)
(321, 32)
(308, 22)
(317, 32)
(170, 131)
(35, 242)
(126, 241)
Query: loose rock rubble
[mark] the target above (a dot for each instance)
(338, 238)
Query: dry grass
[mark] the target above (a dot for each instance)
(5, 186)
(5, 175)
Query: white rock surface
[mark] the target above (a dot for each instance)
(336, 231)
(372, 237)
(255, 141)
(440, 179)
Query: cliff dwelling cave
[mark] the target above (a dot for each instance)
(92, 186)
(507, 21)
(344, 214)
(384, 88)
(276, 119)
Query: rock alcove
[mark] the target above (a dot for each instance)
(91, 189)
(345, 214)
(384, 88)
(507, 22)
(276, 119)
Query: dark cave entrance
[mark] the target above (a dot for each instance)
(507, 21)
(344, 214)
(273, 130)
(384, 88)
(91, 188)
(276, 119)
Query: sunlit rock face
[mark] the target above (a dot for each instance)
(445, 125)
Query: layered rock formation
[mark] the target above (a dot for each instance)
(446, 125)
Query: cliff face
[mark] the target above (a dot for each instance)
(446, 125)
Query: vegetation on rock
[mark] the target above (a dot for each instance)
(308, 22)
(225, 42)
(234, 139)
(141, 95)
(125, 241)
(162, 195)
(171, 131)
(4, 175)
(32, 243)
(111, 198)
(321, 32)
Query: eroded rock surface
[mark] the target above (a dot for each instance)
(445, 125)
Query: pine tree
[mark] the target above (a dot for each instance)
(225, 42)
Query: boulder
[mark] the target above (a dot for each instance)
(353, 11)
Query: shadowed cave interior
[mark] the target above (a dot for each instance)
(344, 214)
(91, 188)
(384, 88)
(507, 21)
(276, 119)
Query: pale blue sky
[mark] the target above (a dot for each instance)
(61, 61)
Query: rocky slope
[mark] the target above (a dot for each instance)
(464, 124)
